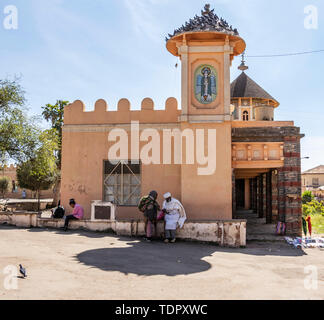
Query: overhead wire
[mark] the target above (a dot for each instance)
(284, 54)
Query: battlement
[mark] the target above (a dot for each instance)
(75, 113)
(11, 168)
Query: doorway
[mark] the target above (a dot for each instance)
(240, 193)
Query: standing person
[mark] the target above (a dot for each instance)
(175, 216)
(23, 194)
(149, 206)
(77, 213)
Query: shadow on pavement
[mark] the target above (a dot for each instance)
(182, 258)
(155, 258)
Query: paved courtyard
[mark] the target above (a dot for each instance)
(84, 265)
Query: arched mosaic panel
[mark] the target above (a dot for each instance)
(206, 83)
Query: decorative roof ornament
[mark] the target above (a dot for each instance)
(242, 66)
(208, 21)
(207, 10)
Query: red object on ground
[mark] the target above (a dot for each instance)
(309, 221)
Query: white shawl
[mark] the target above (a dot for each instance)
(175, 207)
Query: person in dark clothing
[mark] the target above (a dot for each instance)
(58, 213)
(149, 206)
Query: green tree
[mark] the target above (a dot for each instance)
(18, 132)
(40, 172)
(307, 196)
(55, 115)
(4, 185)
(11, 95)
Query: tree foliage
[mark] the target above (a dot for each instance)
(11, 95)
(310, 205)
(55, 115)
(40, 172)
(313, 207)
(307, 196)
(4, 185)
(18, 132)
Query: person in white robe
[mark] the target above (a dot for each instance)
(175, 216)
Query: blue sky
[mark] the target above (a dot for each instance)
(113, 49)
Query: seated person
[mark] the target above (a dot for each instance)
(77, 213)
(58, 213)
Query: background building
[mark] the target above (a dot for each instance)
(313, 180)
(15, 192)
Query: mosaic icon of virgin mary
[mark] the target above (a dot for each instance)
(205, 84)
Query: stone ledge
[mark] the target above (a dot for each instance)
(231, 233)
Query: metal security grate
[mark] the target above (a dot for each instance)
(122, 183)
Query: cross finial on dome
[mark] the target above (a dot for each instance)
(242, 66)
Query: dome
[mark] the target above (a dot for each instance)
(244, 87)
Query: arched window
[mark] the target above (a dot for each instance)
(245, 115)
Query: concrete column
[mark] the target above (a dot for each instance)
(274, 196)
(184, 82)
(281, 195)
(264, 180)
(227, 81)
(291, 185)
(269, 197)
(260, 191)
(255, 195)
(251, 193)
(233, 194)
(247, 204)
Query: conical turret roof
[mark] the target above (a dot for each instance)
(244, 87)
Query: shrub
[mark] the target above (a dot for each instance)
(307, 196)
(313, 207)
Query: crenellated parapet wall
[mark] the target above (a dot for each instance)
(9, 169)
(75, 113)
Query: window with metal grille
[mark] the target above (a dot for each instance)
(122, 183)
(315, 182)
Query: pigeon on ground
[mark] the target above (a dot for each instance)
(22, 271)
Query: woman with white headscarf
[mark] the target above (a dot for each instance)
(175, 216)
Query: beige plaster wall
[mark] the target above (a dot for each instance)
(209, 196)
(83, 172)
(85, 147)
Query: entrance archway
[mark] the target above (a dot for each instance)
(256, 199)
